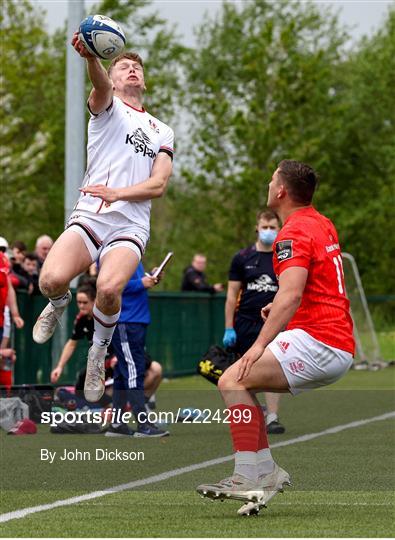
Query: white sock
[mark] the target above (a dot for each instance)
(246, 465)
(60, 301)
(265, 463)
(271, 417)
(104, 327)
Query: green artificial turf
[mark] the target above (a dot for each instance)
(343, 482)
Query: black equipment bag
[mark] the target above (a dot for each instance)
(38, 397)
(80, 427)
(215, 362)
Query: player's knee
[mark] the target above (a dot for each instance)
(225, 382)
(108, 294)
(50, 284)
(228, 382)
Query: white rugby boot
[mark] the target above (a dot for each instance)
(269, 486)
(235, 487)
(95, 374)
(46, 323)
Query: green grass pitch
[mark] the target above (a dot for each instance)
(343, 483)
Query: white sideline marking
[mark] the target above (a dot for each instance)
(18, 514)
(334, 503)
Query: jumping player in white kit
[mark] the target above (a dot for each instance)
(129, 163)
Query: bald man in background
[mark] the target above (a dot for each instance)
(43, 246)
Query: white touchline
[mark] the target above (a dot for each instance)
(331, 503)
(18, 514)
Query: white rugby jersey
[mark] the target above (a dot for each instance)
(123, 143)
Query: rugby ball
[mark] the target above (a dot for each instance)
(102, 36)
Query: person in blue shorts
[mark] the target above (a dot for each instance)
(128, 344)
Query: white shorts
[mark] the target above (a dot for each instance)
(103, 232)
(308, 363)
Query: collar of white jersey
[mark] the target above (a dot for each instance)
(134, 108)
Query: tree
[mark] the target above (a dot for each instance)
(259, 91)
(273, 80)
(33, 95)
(26, 137)
(362, 175)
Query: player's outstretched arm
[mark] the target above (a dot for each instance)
(102, 92)
(152, 188)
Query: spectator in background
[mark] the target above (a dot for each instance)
(5, 340)
(30, 268)
(18, 249)
(89, 277)
(252, 285)
(18, 254)
(7, 360)
(25, 276)
(43, 246)
(132, 382)
(194, 277)
(7, 298)
(7, 292)
(3, 245)
(152, 380)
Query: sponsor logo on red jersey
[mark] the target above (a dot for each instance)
(284, 250)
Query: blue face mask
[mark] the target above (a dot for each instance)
(267, 236)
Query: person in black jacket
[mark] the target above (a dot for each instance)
(194, 277)
(24, 276)
(252, 285)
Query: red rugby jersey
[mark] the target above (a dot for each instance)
(310, 240)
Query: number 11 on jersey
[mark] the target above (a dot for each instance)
(338, 262)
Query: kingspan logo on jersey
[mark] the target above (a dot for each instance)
(263, 284)
(141, 143)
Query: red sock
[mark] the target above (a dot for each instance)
(245, 428)
(262, 441)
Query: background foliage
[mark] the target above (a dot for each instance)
(267, 81)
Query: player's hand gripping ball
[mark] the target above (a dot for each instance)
(102, 36)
